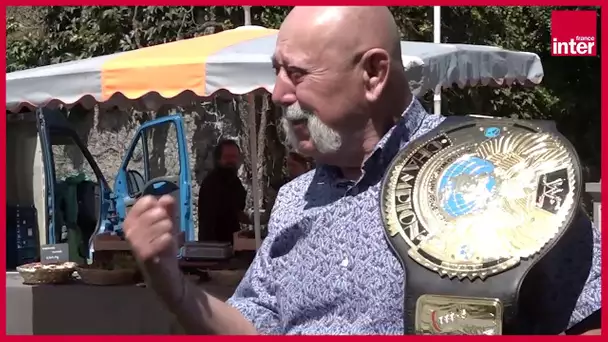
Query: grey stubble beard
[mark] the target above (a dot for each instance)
(325, 139)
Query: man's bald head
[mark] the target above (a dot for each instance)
(340, 71)
(354, 27)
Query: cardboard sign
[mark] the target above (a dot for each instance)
(54, 254)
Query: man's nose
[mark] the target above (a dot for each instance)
(283, 93)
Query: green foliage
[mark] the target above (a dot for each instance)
(570, 93)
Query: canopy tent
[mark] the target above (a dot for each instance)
(238, 62)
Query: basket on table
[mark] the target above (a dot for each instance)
(98, 276)
(38, 273)
(113, 269)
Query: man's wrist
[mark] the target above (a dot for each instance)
(190, 309)
(166, 281)
(175, 300)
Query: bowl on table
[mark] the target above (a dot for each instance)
(38, 273)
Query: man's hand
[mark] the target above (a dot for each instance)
(151, 230)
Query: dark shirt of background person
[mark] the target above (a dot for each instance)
(221, 199)
(297, 165)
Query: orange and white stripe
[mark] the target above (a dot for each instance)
(238, 62)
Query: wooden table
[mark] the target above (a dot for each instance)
(243, 254)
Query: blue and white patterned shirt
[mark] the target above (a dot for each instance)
(326, 267)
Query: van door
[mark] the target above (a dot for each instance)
(156, 164)
(65, 155)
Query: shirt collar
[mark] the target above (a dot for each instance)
(410, 122)
(402, 132)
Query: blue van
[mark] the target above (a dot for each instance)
(101, 207)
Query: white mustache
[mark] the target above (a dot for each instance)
(325, 139)
(295, 112)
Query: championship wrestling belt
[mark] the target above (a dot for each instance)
(469, 209)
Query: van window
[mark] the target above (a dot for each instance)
(163, 150)
(136, 169)
(155, 155)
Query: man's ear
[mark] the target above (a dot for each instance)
(376, 65)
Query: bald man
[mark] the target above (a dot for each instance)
(326, 267)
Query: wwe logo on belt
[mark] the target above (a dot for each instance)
(552, 190)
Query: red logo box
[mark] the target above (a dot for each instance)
(574, 33)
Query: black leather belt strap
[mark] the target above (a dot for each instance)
(504, 286)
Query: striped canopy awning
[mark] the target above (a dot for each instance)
(238, 62)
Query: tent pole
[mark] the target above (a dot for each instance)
(437, 40)
(253, 150)
(247, 10)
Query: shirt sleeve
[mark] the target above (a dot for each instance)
(255, 297)
(567, 281)
(590, 299)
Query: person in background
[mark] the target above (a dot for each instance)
(221, 198)
(297, 165)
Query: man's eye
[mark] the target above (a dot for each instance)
(295, 74)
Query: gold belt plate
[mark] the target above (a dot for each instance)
(451, 315)
(473, 208)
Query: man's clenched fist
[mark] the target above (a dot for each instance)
(151, 229)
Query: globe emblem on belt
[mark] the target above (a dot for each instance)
(470, 208)
(466, 185)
